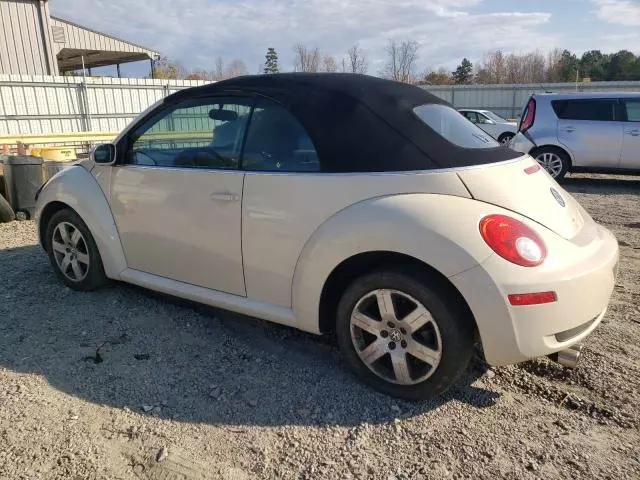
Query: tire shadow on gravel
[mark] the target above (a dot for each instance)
(123, 346)
(602, 184)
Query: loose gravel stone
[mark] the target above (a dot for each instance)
(246, 399)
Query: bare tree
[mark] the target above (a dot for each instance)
(529, 67)
(198, 74)
(554, 66)
(357, 60)
(306, 60)
(329, 64)
(402, 59)
(236, 68)
(218, 71)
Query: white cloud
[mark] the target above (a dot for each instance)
(621, 12)
(196, 31)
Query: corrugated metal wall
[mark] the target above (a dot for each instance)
(33, 104)
(25, 38)
(509, 100)
(82, 38)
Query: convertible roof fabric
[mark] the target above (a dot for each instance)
(359, 123)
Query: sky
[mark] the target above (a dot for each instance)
(195, 32)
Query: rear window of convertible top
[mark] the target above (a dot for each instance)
(454, 127)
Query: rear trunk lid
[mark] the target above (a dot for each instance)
(523, 187)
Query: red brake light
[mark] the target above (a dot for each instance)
(513, 240)
(521, 299)
(528, 117)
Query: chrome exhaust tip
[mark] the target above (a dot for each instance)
(568, 357)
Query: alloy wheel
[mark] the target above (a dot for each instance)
(551, 162)
(396, 337)
(70, 251)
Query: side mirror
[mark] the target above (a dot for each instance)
(487, 121)
(104, 154)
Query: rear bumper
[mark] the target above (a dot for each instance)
(512, 334)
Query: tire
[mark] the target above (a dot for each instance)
(554, 160)
(448, 329)
(505, 137)
(89, 274)
(6, 212)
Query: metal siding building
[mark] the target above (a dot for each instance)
(32, 42)
(25, 38)
(508, 100)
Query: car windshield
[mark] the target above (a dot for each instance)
(493, 116)
(454, 127)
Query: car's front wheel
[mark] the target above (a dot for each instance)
(73, 252)
(405, 337)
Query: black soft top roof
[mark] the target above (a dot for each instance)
(359, 123)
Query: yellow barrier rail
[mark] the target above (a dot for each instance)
(58, 138)
(97, 137)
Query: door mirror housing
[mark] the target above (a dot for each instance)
(104, 154)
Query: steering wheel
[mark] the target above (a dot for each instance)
(201, 157)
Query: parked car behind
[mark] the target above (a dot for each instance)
(582, 132)
(499, 128)
(345, 203)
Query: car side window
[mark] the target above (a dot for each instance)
(199, 133)
(585, 109)
(482, 119)
(632, 108)
(277, 142)
(472, 116)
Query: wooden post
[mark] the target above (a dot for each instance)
(118, 68)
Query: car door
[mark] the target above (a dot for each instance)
(590, 131)
(630, 157)
(176, 196)
(281, 207)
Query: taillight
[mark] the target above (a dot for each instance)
(528, 117)
(513, 240)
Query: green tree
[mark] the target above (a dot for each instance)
(271, 61)
(624, 66)
(464, 73)
(569, 66)
(595, 65)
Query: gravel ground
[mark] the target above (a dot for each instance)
(124, 383)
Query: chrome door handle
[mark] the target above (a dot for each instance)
(633, 133)
(225, 197)
(570, 129)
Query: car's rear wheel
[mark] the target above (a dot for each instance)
(553, 160)
(73, 252)
(404, 337)
(505, 137)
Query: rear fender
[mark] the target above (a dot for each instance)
(77, 188)
(439, 230)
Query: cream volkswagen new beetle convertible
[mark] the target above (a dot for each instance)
(346, 203)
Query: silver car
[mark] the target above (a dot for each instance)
(597, 132)
(499, 128)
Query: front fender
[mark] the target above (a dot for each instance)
(439, 230)
(77, 188)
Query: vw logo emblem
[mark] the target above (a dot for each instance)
(557, 196)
